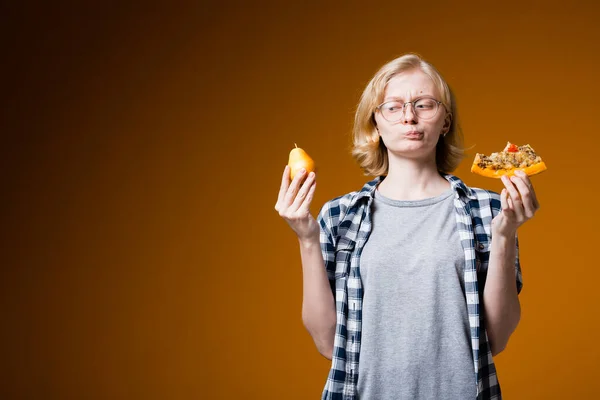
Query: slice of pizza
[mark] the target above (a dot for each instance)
(507, 161)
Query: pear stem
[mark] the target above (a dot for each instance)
(296, 145)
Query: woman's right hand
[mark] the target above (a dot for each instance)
(293, 204)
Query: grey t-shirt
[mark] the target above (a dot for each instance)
(416, 341)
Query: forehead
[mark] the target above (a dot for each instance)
(407, 85)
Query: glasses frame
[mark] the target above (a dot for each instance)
(378, 108)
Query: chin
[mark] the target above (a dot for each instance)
(408, 145)
(411, 148)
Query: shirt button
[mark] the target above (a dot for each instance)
(481, 246)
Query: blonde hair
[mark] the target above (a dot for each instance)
(369, 151)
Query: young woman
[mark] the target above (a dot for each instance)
(411, 283)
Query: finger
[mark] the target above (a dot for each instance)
(512, 191)
(527, 181)
(285, 181)
(504, 200)
(514, 202)
(303, 192)
(305, 207)
(506, 204)
(293, 188)
(525, 192)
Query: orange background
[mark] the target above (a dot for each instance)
(143, 146)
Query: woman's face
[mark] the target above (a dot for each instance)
(411, 136)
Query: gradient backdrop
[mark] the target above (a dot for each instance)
(143, 145)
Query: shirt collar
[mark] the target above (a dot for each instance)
(368, 190)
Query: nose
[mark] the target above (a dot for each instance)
(409, 115)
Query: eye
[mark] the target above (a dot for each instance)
(392, 107)
(425, 104)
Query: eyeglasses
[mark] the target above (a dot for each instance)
(424, 108)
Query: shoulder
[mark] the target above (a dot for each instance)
(480, 200)
(345, 207)
(335, 209)
(487, 201)
(485, 195)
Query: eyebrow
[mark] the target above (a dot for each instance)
(400, 98)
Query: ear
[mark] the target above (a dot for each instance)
(447, 123)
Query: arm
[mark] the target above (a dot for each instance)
(500, 298)
(318, 304)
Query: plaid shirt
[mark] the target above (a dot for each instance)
(345, 226)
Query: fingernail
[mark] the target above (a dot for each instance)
(302, 171)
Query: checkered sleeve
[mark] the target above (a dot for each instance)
(518, 270)
(325, 220)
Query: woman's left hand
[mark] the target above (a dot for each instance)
(519, 204)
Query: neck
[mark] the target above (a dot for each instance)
(409, 179)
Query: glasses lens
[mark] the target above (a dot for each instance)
(392, 110)
(423, 108)
(426, 108)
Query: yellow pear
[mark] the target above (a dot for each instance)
(298, 160)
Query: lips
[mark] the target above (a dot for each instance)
(413, 134)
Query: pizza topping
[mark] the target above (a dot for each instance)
(512, 156)
(505, 162)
